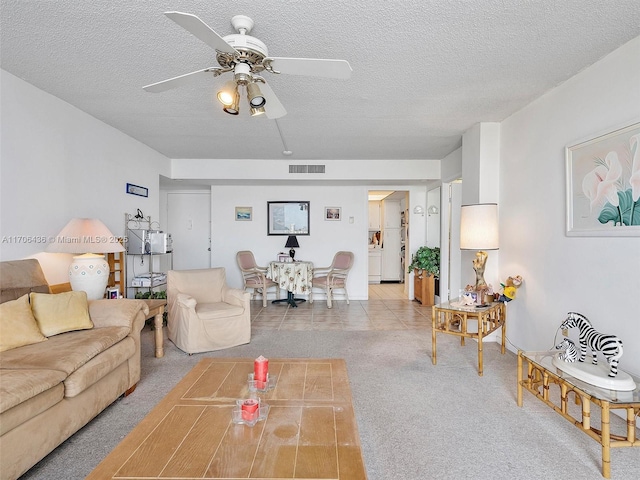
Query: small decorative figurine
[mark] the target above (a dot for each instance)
(570, 353)
(509, 288)
(467, 299)
(609, 345)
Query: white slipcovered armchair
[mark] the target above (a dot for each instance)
(205, 314)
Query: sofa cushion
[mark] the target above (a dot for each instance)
(25, 411)
(61, 312)
(66, 352)
(98, 367)
(17, 386)
(18, 327)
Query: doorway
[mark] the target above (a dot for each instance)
(189, 222)
(388, 236)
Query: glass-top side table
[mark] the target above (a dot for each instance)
(452, 318)
(541, 374)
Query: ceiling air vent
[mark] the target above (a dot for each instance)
(306, 169)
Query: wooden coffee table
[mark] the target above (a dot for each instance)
(310, 431)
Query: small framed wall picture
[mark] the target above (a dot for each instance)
(137, 190)
(244, 214)
(332, 213)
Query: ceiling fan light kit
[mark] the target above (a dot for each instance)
(246, 57)
(254, 96)
(234, 108)
(227, 93)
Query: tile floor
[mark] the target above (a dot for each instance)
(387, 309)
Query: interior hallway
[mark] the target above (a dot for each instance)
(387, 309)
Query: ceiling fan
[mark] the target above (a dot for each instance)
(247, 57)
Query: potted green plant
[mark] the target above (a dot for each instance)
(427, 259)
(425, 264)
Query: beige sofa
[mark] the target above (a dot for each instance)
(52, 388)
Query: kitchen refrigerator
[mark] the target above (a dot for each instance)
(391, 255)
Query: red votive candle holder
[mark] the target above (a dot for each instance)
(249, 409)
(260, 371)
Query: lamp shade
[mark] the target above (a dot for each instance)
(292, 242)
(479, 227)
(85, 235)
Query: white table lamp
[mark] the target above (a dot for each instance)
(90, 237)
(479, 231)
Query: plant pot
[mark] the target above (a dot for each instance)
(424, 287)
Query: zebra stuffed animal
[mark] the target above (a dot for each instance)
(570, 353)
(609, 345)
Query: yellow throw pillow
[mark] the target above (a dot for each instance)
(17, 325)
(61, 312)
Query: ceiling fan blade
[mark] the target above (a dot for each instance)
(313, 67)
(201, 30)
(272, 108)
(185, 79)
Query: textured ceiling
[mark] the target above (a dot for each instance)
(424, 71)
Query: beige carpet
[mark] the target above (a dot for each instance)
(416, 420)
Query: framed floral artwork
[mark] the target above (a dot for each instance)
(603, 184)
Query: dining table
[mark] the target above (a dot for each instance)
(295, 277)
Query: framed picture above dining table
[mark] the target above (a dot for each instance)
(288, 218)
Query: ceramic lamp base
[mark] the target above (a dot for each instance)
(89, 273)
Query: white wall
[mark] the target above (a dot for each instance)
(597, 276)
(433, 219)
(325, 239)
(351, 171)
(58, 162)
(451, 166)
(480, 184)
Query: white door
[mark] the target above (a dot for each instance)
(189, 223)
(450, 256)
